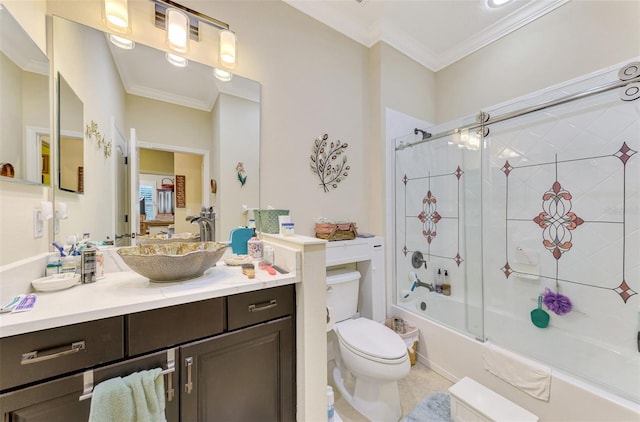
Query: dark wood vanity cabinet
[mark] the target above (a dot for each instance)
(242, 371)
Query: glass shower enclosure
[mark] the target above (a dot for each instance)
(531, 208)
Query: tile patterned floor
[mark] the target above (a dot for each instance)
(417, 386)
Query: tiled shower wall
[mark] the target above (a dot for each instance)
(546, 203)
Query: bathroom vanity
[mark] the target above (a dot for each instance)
(226, 344)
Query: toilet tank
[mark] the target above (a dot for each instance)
(342, 293)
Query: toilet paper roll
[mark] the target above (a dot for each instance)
(330, 318)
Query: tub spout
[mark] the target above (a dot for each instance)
(429, 286)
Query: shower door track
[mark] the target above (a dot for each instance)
(486, 121)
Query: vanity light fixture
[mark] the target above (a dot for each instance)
(176, 60)
(116, 15)
(121, 42)
(228, 48)
(222, 75)
(177, 31)
(183, 23)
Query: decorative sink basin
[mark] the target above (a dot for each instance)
(172, 261)
(162, 238)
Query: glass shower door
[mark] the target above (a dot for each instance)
(438, 214)
(561, 195)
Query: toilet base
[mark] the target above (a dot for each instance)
(377, 401)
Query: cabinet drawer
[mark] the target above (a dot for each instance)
(347, 251)
(250, 308)
(42, 354)
(165, 327)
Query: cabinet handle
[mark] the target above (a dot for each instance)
(189, 385)
(263, 306)
(32, 357)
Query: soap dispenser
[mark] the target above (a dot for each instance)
(254, 246)
(439, 281)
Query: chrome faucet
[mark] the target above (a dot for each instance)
(206, 222)
(429, 286)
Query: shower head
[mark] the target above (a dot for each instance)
(425, 134)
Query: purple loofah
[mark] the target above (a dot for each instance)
(557, 303)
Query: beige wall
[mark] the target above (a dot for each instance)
(239, 141)
(155, 161)
(406, 86)
(189, 166)
(578, 38)
(158, 122)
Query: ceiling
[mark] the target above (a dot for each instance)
(435, 33)
(144, 71)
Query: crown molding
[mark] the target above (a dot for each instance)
(406, 44)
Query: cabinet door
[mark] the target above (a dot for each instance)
(246, 375)
(57, 400)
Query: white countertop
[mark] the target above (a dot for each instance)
(125, 292)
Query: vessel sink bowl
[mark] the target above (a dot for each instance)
(162, 238)
(172, 261)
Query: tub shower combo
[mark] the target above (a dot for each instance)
(535, 199)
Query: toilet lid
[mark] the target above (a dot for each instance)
(372, 339)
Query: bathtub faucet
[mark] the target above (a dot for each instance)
(429, 286)
(415, 283)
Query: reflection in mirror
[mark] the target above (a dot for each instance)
(24, 101)
(71, 146)
(185, 110)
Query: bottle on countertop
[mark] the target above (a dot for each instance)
(254, 246)
(446, 284)
(439, 281)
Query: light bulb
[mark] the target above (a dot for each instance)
(227, 48)
(176, 60)
(222, 75)
(122, 42)
(116, 14)
(177, 30)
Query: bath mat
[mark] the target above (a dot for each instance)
(435, 408)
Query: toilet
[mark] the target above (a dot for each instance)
(369, 357)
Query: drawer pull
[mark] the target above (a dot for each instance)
(33, 357)
(189, 385)
(263, 306)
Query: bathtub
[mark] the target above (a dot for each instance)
(451, 344)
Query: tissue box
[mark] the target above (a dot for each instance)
(267, 220)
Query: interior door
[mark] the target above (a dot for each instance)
(134, 165)
(121, 192)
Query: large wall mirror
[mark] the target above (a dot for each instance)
(70, 139)
(138, 100)
(25, 106)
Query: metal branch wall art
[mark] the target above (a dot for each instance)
(329, 162)
(92, 132)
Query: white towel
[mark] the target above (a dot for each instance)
(524, 374)
(137, 397)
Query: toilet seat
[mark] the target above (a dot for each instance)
(372, 341)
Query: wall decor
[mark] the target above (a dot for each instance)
(241, 176)
(329, 162)
(92, 132)
(181, 196)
